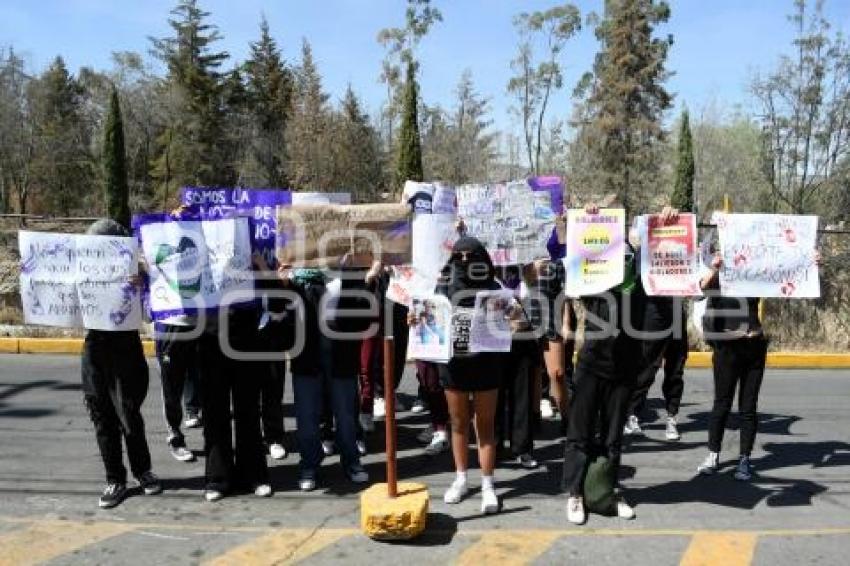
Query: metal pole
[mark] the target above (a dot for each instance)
(389, 419)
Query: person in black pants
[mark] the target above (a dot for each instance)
(227, 380)
(665, 320)
(115, 384)
(609, 362)
(733, 330)
(176, 345)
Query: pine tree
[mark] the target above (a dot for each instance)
(308, 130)
(683, 191)
(268, 85)
(114, 165)
(357, 159)
(192, 148)
(409, 164)
(624, 132)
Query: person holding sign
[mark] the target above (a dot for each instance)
(606, 372)
(470, 375)
(115, 384)
(333, 318)
(732, 327)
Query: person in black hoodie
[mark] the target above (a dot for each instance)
(115, 384)
(608, 364)
(332, 320)
(466, 375)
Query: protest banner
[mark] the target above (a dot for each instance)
(196, 264)
(79, 281)
(490, 329)
(513, 221)
(595, 248)
(445, 199)
(320, 235)
(768, 255)
(301, 198)
(258, 205)
(430, 335)
(669, 256)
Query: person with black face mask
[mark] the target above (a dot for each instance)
(468, 375)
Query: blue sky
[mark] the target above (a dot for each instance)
(718, 43)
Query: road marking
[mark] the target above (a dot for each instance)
(726, 548)
(508, 547)
(284, 546)
(45, 540)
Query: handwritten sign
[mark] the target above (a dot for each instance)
(197, 265)
(430, 335)
(300, 198)
(79, 281)
(768, 255)
(319, 235)
(670, 257)
(595, 248)
(513, 221)
(258, 205)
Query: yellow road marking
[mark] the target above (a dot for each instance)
(722, 548)
(45, 540)
(508, 547)
(285, 546)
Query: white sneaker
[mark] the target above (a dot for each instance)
(456, 492)
(489, 501)
(744, 471)
(632, 426)
(575, 511)
(361, 447)
(213, 495)
(527, 461)
(307, 484)
(672, 431)
(182, 454)
(624, 510)
(710, 465)
(418, 407)
(328, 447)
(546, 409)
(277, 451)
(379, 408)
(263, 490)
(439, 443)
(367, 422)
(192, 421)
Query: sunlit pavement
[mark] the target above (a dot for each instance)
(796, 509)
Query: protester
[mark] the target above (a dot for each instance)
(115, 384)
(467, 375)
(275, 335)
(192, 402)
(608, 365)
(176, 346)
(516, 416)
(229, 381)
(326, 363)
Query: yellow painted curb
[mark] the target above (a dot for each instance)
(9, 346)
(50, 345)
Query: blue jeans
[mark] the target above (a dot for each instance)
(308, 415)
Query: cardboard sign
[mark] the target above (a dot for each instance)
(768, 255)
(79, 281)
(595, 248)
(320, 235)
(670, 257)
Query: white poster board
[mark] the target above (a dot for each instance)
(768, 255)
(490, 330)
(79, 281)
(430, 334)
(197, 265)
(595, 248)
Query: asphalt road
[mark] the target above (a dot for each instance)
(796, 510)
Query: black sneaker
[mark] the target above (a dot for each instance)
(112, 495)
(150, 483)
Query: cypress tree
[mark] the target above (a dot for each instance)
(683, 191)
(409, 165)
(115, 166)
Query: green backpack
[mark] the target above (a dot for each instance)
(599, 496)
